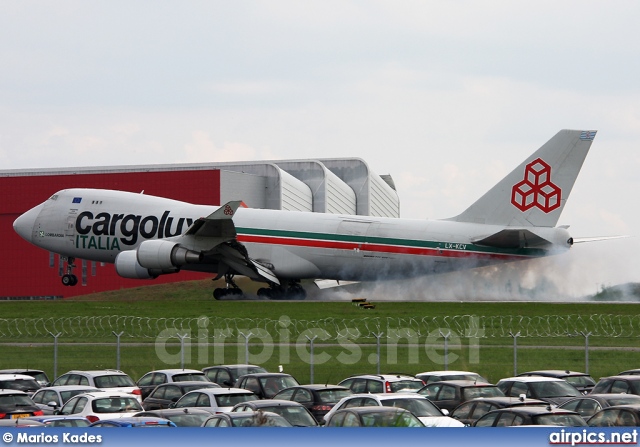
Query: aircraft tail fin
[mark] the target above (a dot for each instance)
(534, 194)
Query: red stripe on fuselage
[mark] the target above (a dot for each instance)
(378, 248)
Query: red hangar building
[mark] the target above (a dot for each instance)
(339, 186)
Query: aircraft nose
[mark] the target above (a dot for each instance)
(23, 225)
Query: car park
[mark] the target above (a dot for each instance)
(296, 414)
(551, 390)
(470, 411)
(629, 384)
(104, 379)
(227, 375)
(616, 416)
(101, 405)
(266, 385)
(19, 382)
(373, 417)
(246, 419)
(318, 399)
(40, 376)
(214, 399)
(441, 376)
(421, 407)
(53, 420)
(16, 404)
(451, 393)
(135, 421)
(581, 381)
(169, 393)
(590, 404)
(49, 399)
(530, 415)
(382, 383)
(152, 379)
(182, 417)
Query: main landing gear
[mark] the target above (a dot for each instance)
(69, 279)
(232, 290)
(292, 291)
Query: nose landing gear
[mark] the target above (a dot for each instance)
(69, 279)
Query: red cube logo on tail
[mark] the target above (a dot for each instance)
(536, 189)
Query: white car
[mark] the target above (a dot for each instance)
(421, 407)
(52, 398)
(102, 405)
(104, 379)
(215, 400)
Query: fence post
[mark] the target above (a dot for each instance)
(378, 336)
(446, 348)
(586, 351)
(117, 348)
(55, 353)
(246, 345)
(182, 339)
(515, 351)
(311, 340)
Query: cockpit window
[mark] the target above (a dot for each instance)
(54, 197)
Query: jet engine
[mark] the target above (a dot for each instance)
(165, 255)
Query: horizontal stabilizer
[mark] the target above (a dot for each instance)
(513, 239)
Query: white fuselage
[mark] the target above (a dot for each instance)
(295, 245)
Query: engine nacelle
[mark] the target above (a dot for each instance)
(127, 266)
(165, 255)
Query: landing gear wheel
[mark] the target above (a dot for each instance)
(69, 279)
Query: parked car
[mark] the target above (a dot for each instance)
(51, 398)
(442, 376)
(373, 417)
(135, 421)
(104, 379)
(152, 379)
(40, 376)
(470, 411)
(295, 413)
(616, 416)
(266, 385)
(590, 404)
(19, 382)
(583, 382)
(451, 393)
(530, 415)
(421, 407)
(214, 399)
(16, 404)
(551, 390)
(101, 405)
(182, 417)
(629, 384)
(58, 420)
(318, 399)
(382, 383)
(629, 372)
(227, 375)
(169, 393)
(247, 419)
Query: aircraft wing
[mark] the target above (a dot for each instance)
(218, 233)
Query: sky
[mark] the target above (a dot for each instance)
(445, 96)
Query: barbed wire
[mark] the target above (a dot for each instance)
(220, 328)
